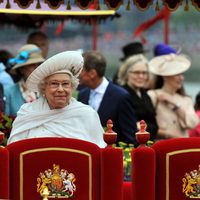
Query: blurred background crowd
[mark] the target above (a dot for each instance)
(113, 34)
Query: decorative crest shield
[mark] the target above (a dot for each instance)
(56, 182)
(191, 184)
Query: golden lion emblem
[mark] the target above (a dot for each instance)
(191, 184)
(58, 182)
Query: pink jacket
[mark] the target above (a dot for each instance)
(195, 132)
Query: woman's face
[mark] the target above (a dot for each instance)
(57, 90)
(137, 75)
(175, 81)
(28, 69)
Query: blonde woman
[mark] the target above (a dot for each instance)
(133, 76)
(175, 112)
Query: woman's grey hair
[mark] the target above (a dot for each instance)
(74, 81)
(126, 66)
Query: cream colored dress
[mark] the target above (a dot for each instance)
(168, 119)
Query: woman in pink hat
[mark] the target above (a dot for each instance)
(175, 112)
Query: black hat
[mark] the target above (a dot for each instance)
(132, 49)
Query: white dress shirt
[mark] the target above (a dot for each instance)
(97, 94)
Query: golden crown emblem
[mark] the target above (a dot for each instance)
(56, 182)
(191, 184)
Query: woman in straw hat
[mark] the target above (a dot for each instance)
(28, 59)
(133, 76)
(56, 113)
(175, 112)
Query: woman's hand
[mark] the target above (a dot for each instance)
(166, 98)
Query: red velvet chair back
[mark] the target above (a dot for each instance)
(177, 169)
(90, 167)
(4, 173)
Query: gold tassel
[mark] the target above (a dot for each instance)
(38, 6)
(8, 4)
(68, 5)
(157, 7)
(186, 8)
(128, 7)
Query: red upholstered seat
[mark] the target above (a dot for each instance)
(174, 159)
(95, 173)
(170, 170)
(127, 191)
(4, 173)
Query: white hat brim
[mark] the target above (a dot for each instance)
(68, 60)
(29, 62)
(169, 65)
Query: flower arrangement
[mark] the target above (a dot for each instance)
(6, 125)
(127, 148)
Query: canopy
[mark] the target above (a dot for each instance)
(33, 17)
(31, 14)
(172, 5)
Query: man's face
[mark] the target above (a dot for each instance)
(85, 78)
(43, 44)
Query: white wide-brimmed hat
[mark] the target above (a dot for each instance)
(27, 55)
(70, 62)
(169, 65)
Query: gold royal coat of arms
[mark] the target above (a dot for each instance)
(57, 182)
(191, 184)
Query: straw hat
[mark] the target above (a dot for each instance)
(169, 65)
(70, 62)
(28, 54)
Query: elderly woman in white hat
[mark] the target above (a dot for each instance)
(29, 57)
(175, 112)
(56, 113)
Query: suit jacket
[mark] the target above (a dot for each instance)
(13, 99)
(115, 105)
(1, 99)
(144, 110)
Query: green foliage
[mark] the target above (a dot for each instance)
(5, 126)
(127, 148)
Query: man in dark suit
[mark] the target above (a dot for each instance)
(109, 100)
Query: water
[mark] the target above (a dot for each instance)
(192, 88)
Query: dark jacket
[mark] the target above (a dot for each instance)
(1, 99)
(144, 110)
(115, 105)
